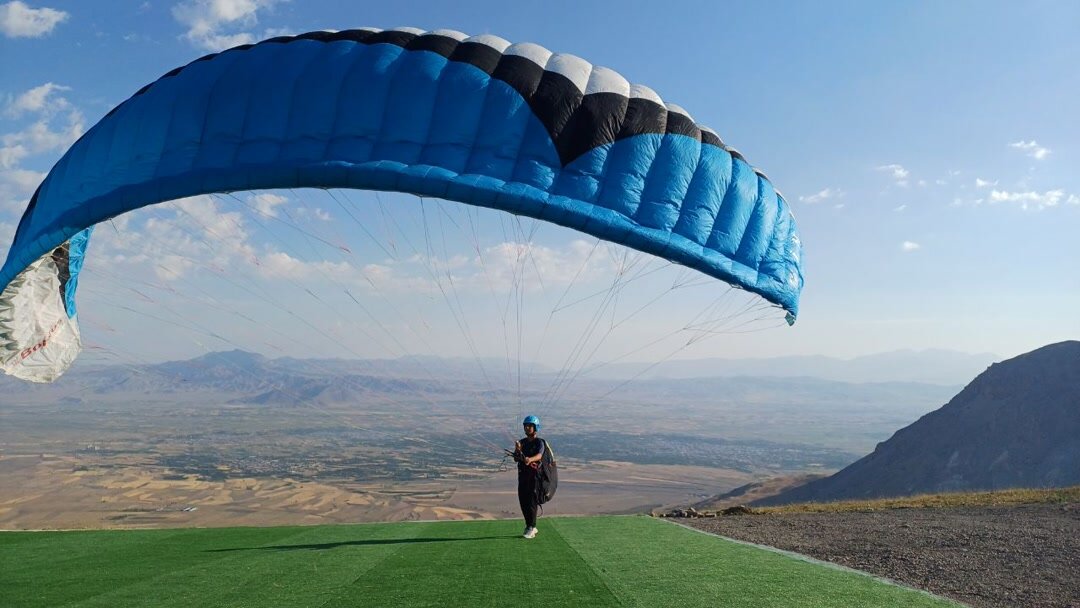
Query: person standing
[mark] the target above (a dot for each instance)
(528, 452)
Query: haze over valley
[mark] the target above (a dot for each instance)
(236, 438)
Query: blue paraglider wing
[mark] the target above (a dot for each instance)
(471, 119)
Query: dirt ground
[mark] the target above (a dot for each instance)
(987, 557)
(127, 491)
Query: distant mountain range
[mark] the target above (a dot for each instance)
(242, 371)
(798, 406)
(1015, 425)
(253, 378)
(848, 416)
(925, 366)
(889, 378)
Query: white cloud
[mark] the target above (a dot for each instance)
(225, 227)
(267, 203)
(982, 183)
(1031, 148)
(213, 24)
(11, 154)
(177, 238)
(7, 234)
(38, 100)
(26, 181)
(16, 188)
(900, 208)
(387, 279)
(17, 184)
(498, 268)
(39, 137)
(898, 173)
(17, 20)
(908, 246)
(172, 267)
(313, 212)
(220, 42)
(1029, 199)
(281, 265)
(174, 238)
(554, 265)
(274, 32)
(209, 236)
(820, 196)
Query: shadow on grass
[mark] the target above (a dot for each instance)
(359, 543)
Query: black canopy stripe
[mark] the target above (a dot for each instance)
(576, 122)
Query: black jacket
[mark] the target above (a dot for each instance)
(529, 448)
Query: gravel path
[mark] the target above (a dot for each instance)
(987, 557)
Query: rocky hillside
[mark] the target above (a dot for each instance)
(1002, 556)
(1015, 425)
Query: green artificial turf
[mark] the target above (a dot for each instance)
(594, 561)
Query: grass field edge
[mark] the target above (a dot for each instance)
(814, 560)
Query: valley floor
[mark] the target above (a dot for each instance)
(987, 557)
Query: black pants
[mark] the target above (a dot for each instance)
(527, 496)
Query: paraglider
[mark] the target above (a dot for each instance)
(477, 120)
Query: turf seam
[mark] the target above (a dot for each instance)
(105, 593)
(175, 533)
(602, 579)
(813, 560)
(336, 595)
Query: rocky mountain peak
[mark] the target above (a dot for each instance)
(1015, 425)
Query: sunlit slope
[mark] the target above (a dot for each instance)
(598, 561)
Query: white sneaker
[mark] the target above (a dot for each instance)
(530, 533)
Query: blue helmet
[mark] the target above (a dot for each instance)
(533, 420)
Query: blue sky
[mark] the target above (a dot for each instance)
(928, 149)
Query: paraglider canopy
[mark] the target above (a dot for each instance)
(476, 120)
